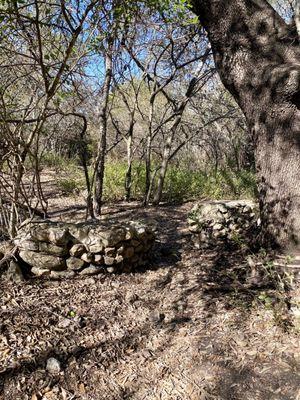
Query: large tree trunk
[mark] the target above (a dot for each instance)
(258, 58)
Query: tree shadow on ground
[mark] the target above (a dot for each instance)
(197, 305)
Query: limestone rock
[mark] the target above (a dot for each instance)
(109, 260)
(91, 270)
(87, 257)
(43, 261)
(77, 250)
(50, 232)
(96, 247)
(62, 274)
(113, 236)
(74, 263)
(26, 244)
(119, 259)
(14, 272)
(110, 251)
(52, 249)
(40, 272)
(53, 366)
(98, 259)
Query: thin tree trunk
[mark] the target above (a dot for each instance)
(258, 58)
(100, 162)
(128, 175)
(165, 162)
(149, 149)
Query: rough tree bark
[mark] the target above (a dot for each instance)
(258, 58)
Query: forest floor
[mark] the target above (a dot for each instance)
(185, 327)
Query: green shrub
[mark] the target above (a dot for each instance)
(70, 186)
(181, 183)
(54, 160)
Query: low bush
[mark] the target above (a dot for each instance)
(181, 183)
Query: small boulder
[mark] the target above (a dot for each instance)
(77, 250)
(14, 272)
(74, 263)
(109, 260)
(87, 257)
(43, 261)
(40, 272)
(62, 274)
(91, 270)
(53, 366)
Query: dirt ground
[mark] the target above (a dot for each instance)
(185, 327)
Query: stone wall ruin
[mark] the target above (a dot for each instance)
(223, 221)
(64, 250)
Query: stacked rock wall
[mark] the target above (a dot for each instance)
(61, 250)
(216, 221)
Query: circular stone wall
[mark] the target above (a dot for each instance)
(62, 250)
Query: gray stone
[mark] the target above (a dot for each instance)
(91, 270)
(74, 263)
(43, 261)
(49, 232)
(62, 274)
(109, 260)
(53, 366)
(98, 259)
(96, 247)
(40, 272)
(130, 232)
(217, 227)
(110, 251)
(52, 249)
(77, 250)
(14, 272)
(87, 257)
(110, 270)
(119, 259)
(26, 244)
(59, 236)
(120, 250)
(219, 220)
(113, 236)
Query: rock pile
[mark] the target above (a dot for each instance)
(216, 221)
(61, 250)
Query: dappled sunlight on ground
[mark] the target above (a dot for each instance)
(185, 327)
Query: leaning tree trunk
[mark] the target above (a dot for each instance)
(258, 58)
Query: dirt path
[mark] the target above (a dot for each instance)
(184, 328)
